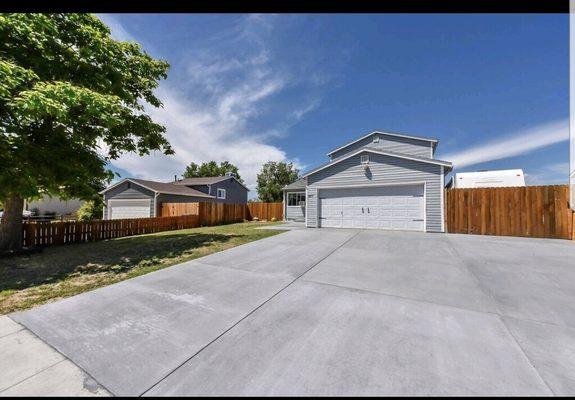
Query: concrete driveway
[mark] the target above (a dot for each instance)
(333, 312)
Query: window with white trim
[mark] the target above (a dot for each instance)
(221, 194)
(376, 139)
(365, 158)
(296, 199)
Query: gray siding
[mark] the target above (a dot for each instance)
(235, 192)
(200, 188)
(384, 170)
(126, 191)
(414, 147)
(294, 212)
(311, 207)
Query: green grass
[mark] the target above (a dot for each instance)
(63, 271)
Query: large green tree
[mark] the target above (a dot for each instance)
(272, 178)
(71, 99)
(211, 168)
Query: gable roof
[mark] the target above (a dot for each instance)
(381, 152)
(208, 180)
(161, 187)
(299, 184)
(433, 141)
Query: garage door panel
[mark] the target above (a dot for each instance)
(133, 208)
(390, 207)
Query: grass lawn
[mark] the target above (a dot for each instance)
(63, 271)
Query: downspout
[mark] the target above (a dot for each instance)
(156, 203)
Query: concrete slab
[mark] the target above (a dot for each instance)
(23, 355)
(130, 340)
(526, 294)
(383, 313)
(551, 349)
(531, 279)
(61, 379)
(315, 339)
(288, 255)
(402, 266)
(7, 326)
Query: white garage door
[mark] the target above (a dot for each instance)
(385, 207)
(119, 209)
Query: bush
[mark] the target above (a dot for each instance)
(89, 210)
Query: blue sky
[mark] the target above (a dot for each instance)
(251, 88)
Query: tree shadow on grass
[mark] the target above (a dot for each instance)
(110, 256)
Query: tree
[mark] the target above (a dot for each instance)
(71, 100)
(211, 168)
(272, 178)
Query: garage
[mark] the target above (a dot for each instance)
(135, 208)
(384, 207)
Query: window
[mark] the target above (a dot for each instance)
(365, 158)
(221, 193)
(296, 199)
(376, 139)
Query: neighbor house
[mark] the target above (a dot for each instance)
(138, 198)
(382, 180)
(53, 205)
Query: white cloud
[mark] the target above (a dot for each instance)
(210, 114)
(522, 142)
(552, 174)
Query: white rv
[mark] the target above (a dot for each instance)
(500, 178)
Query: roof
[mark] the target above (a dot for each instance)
(207, 180)
(162, 187)
(299, 184)
(434, 141)
(384, 153)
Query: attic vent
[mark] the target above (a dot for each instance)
(376, 139)
(365, 159)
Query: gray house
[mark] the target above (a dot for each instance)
(382, 180)
(138, 198)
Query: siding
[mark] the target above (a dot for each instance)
(294, 213)
(235, 192)
(129, 190)
(384, 170)
(414, 147)
(311, 206)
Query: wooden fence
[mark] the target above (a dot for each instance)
(531, 211)
(177, 209)
(219, 213)
(265, 211)
(174, 216)
(213, 213)
(63, 232)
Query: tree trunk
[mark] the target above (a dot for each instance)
(11, 224)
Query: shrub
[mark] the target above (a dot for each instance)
(89, 210)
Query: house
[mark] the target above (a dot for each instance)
(495, 178)
(138, 198)
(382, 180)
(53, 205)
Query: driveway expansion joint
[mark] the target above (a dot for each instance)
(251, 312)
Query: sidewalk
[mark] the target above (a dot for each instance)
(30, 367)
